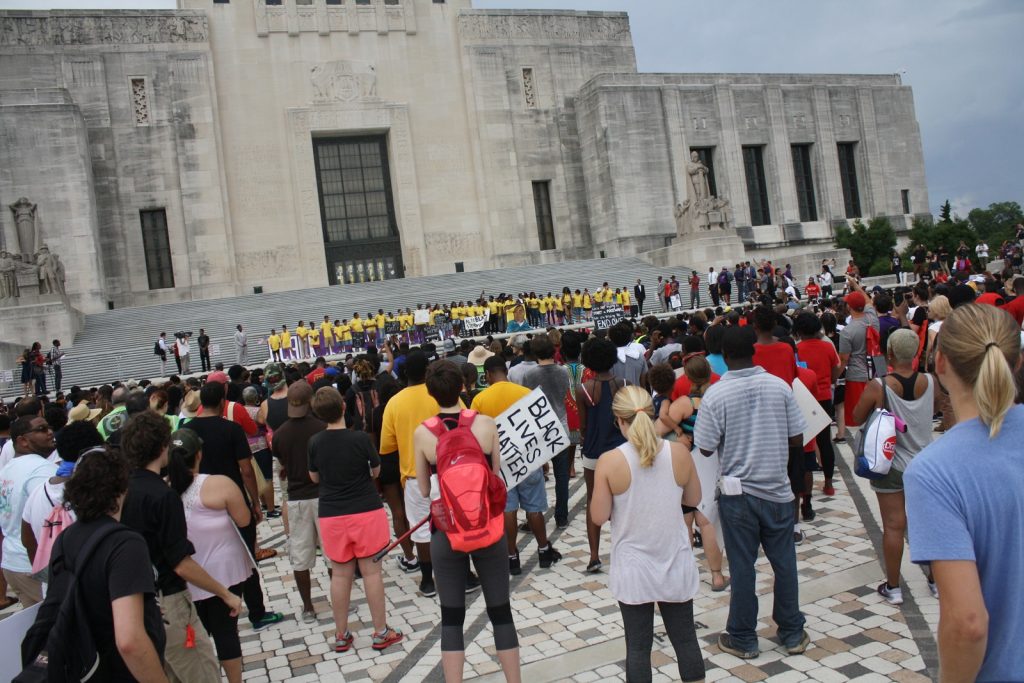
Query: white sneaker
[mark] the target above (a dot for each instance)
(893, 596)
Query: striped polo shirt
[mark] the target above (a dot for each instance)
(748, 417)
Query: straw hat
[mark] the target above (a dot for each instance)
(83, 412)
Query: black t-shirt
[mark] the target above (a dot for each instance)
(343, 458)
(155, 511)
(920, 316)
(111, 572)
(291, 448)
(224, 445)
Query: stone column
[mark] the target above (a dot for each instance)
(831, 187)
(732, 156)
(872, 176)
(789, 210)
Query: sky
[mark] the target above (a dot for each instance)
(961, 57)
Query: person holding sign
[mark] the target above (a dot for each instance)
(444, 383)
(530, 494)
(638, 483)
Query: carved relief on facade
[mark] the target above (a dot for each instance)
(343, 81)
(529, 89)
(103, 29)
(544, 27)
(140, 101)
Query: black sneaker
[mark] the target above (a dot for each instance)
(698, 540)
(427, 588)
(561, 523)
(549, 556)
(472, 583)
(525, 526)
(807, 512)
(514, 568)
(408, 566)
(725, 644)
(594, 567)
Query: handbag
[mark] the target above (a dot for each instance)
(876, 443)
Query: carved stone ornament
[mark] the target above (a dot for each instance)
(343, 81)
(543, 27)
(25, 228)
(91, 28)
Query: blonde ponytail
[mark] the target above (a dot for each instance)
(633, 405)
(981, 344)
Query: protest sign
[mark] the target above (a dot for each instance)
(358, 340)
(431, 333)
(675, 303)
(440, 318)
(420, 317)
(474, 322)
(607, 316)
(529, 434)
(817, 418)
(392, 327)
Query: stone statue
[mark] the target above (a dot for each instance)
(25, 226)
(8, 276)
(700, 211)
(58, 267)
(47, 263)
(698, 173)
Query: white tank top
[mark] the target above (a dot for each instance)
(651, 559)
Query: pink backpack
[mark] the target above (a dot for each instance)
(472, 503)
(59, 519)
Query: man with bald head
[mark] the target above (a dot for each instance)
(116, 418)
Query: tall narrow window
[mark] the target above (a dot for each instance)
(140, 101)
(707, 157)
(905, 196)
(542, 203)
(848, 176)
(757, 186)
(529, 90)
(804, 183)
(158, 249)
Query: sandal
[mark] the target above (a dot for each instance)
(343, 642)
(265, 554)
(386, 638)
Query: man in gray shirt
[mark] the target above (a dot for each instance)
(751, 418)
(553, 380)
(518, 372)
(241, 345)
(853, 350)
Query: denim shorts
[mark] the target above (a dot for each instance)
(530, 495)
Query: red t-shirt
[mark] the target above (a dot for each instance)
(813, 291)
(820, 356)
(810, 380)
(1016, 309)
(236, 412)
(683, 385)
(778, 359)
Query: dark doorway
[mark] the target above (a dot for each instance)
(361, 239)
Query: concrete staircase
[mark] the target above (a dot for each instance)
(119, 344)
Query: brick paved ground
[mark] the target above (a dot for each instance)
(570, 628)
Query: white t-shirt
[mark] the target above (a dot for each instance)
(38, 506)
(6, 453)
(17, 480)
(825, 279)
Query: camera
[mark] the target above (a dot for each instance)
(181, 335)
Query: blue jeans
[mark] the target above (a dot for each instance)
(749, 522)
(560, 466)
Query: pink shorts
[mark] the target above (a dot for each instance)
(347, 537)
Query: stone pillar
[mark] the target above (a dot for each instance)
(678, 149)
(830, 185)
(873, 177)
(783, 158)
(732, 156)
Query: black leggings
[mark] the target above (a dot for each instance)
(222, 627)
(451, 568)
(824, 441)
(638, 621)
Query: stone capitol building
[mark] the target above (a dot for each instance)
(156, 156)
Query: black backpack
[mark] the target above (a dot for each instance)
(59, 646)
(157, 351)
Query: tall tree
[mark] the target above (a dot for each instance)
(946, 213)
(870, 244)
(996, 223)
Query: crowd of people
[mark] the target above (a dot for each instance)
(180, 474)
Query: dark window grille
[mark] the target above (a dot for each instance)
(905, 196)
(804, 183)
(757, 186)
(157, 246)
(848, 177)
(542, 204)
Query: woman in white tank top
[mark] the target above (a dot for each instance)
(638, 487)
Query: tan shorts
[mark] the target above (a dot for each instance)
(304, 533)
(183, 664)
(28, 590)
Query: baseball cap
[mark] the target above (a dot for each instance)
(299, 396)
(218, 376)
(186, 440)
(991, 298)
(856, 301)
(273, 372)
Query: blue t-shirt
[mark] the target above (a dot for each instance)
(717, 363)
(964, 502)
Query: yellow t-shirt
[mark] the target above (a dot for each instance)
(493, 305)
(542, 304)
(587, 302)
(327, 330)
(370, 324)
(497, 398)
(404, 322)
(479, 310)
(625, 299)
(275, 342)
(566, 302)
(577, 300)
(599, 296)
(339, 332)
(356, 325)
(301, 331)
(380, 321)
(402, 415)
(314, 336)
(510, 310)
(559, 304)
(286, 340)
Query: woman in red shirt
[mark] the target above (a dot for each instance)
(821, 357)
(813, 290)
